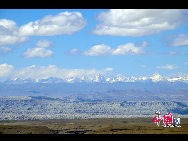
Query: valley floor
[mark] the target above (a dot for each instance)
(90, 126)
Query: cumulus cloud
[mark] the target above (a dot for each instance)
(98, 50)
(40, 51)
(9, 32)
(74, 51)
(5, 71)
(103, 50)
(44, 43)
(129, 49)
(170, 67)
(62, 23)
(50, 25)
(138, 22)
(44, 72)
(4, 50)
(37, 53)
(37, 72)
(180, 40)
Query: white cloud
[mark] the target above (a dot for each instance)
(7, 26)
(103, 50)
(73, 52)
(9, 32)
(180, 40)
(170, 67)
(186, 63)
(4, 50)
(98, 50)
(5, 70)
(11, 39)
(128, 49)
(38, 53)
(50, 25)
(138, 22)
(109, 69)
(62, 23)
(173, 53)
(43, 72)
(44, 43)
(39, 72)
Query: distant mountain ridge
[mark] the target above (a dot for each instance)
(140, 90)
(100, 78)
(42, 107)
(92, 97)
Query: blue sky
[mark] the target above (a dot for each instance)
(130, 42)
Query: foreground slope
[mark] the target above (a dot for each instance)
(90, 126)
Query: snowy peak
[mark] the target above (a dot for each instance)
(102, 79)
(99, 78)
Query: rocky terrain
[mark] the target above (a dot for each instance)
(40, 107)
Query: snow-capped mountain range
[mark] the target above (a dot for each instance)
(101, 78)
